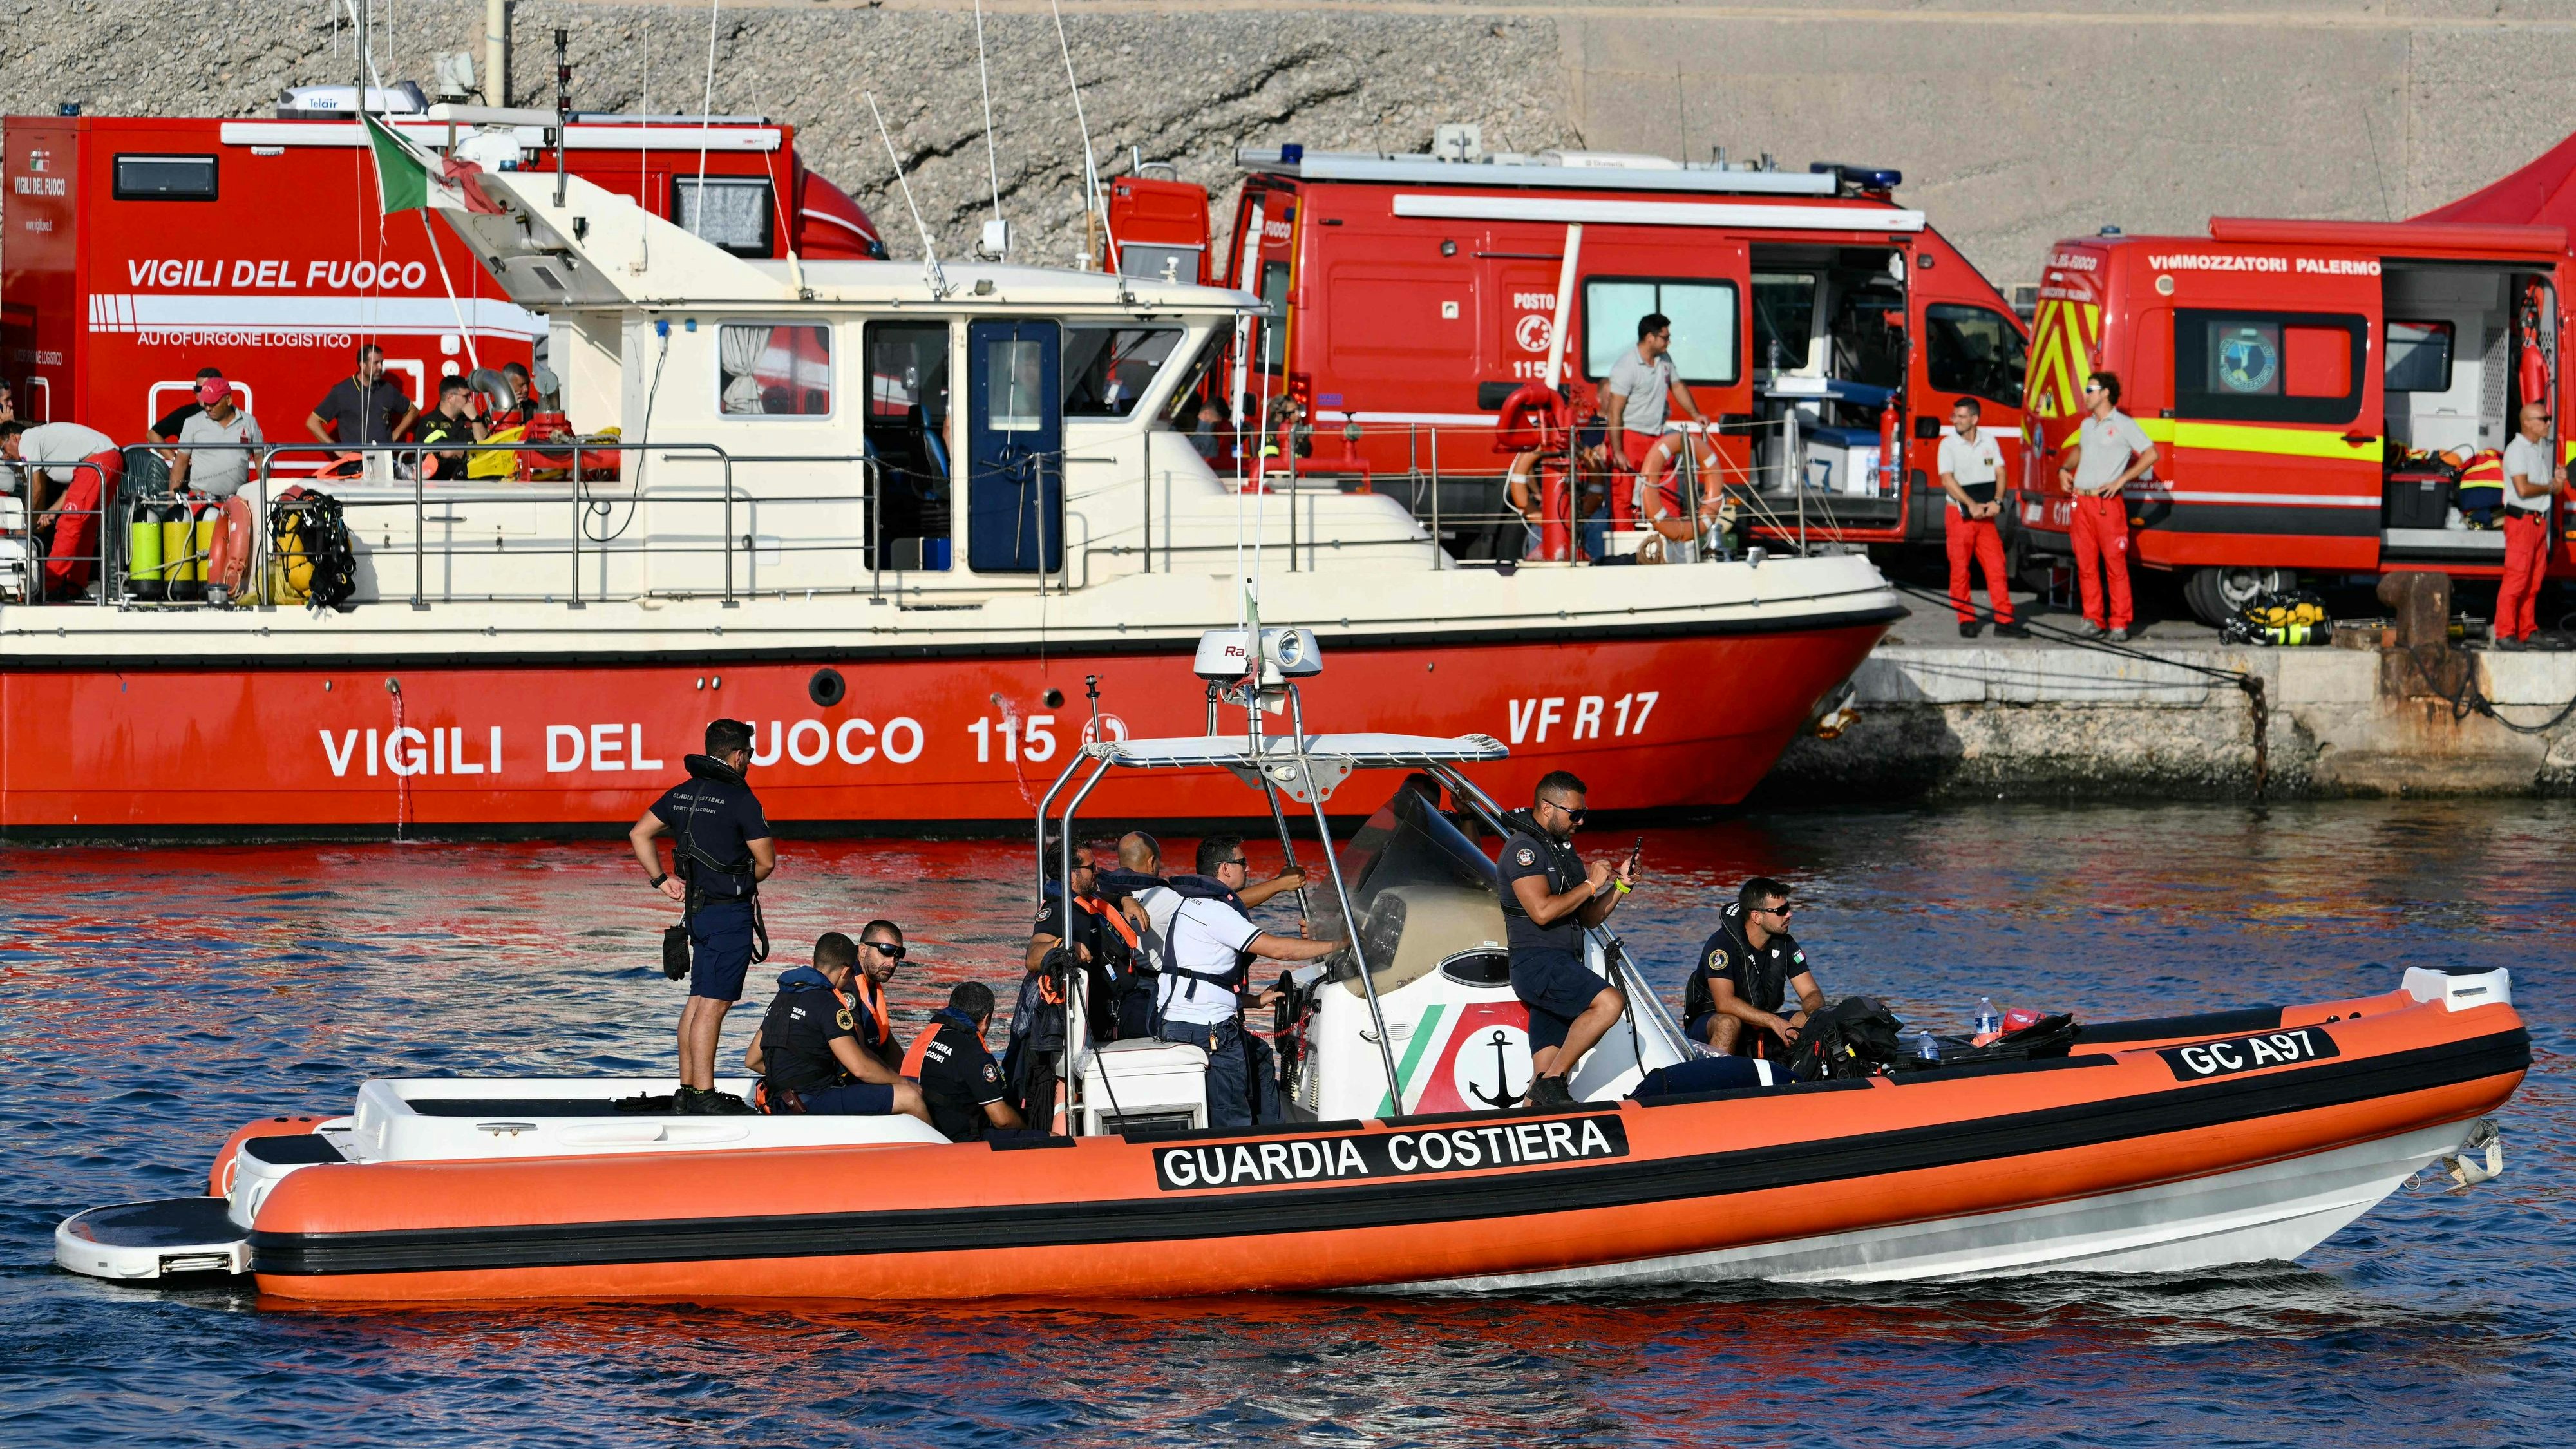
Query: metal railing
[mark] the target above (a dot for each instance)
(1465, 515)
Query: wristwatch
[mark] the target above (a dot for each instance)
(657, 880)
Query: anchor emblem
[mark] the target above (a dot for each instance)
(1502, 1075)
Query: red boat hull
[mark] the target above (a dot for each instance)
(1651, 723)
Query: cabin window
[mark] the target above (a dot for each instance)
(1784, 320)
(1106, 369)
(1274, 316)
(1706, 349)
(2269, 367)
(732, 212)
(774, 370)
(2419, 356)
(165, 178)
(1013, 369)
(1159, 261)
(1974, 350)
(907, 444)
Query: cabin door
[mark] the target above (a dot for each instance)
(1014, 448)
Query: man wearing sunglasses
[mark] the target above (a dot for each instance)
(1549, 898)
(2108, 453)
(2531, 480)
(827, 1045)
(1747, 968)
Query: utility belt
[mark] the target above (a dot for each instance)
(675, 939)
(780, 1100)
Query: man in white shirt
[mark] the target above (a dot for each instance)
(2108, 452)
(220, 470)
(1972, 465)
(1210, 947)
(2531, 479)
(72, 521)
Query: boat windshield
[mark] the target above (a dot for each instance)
(1409, 855)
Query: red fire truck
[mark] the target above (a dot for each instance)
(2295, 376)
(140, 250)
(1410, 297)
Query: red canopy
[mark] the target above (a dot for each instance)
(2540, 194)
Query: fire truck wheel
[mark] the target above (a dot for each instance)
(2217, 594)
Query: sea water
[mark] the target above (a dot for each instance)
(153, 999)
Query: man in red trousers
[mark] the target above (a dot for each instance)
(2531, 479)
(1972, 465)
(2109, 451)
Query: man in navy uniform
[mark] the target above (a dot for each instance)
(821, 1049)
(722, 852)
(1747, 968)
(956, 1072)
(1549, 898)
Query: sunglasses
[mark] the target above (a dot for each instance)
(2093, 387)
(1576, 813)
(891, 950)
(1783, 912)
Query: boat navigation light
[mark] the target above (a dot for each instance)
(1225, 655)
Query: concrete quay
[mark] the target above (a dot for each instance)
(1949, 718)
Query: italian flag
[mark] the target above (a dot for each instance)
(410, 179)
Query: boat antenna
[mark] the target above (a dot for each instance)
(929, 254)
(706, 121)
(1090, 164)
(992, 159)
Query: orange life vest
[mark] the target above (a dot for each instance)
(874, 998)
(1116, 918)
(920, 1050)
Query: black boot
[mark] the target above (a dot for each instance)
(1550, 1091)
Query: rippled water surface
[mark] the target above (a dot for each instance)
(151, 1000)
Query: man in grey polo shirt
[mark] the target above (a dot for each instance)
(2107, 453)
(1636, 398)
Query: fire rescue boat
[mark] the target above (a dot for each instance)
(929, 529)
(2182, 1143)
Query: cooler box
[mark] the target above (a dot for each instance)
(1843, 460)
(2417, 499)
(1144, 1087)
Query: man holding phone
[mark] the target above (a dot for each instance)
(1549, 898)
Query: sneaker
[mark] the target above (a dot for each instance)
(1550, 1092)
(724, 1104)
(686, 1101)
(2012, 629)
(2510, 644)
(2118, 636)
(1969, 629)
(2087, 629)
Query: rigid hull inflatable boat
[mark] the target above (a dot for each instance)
(2175, 1144)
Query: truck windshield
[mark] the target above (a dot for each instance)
(1974, 350)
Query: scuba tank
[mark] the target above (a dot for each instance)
(182, 577)
(205, 516)
(143, 551)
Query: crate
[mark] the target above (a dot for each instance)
(2417, 499)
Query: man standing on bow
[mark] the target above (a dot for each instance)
(722, 851)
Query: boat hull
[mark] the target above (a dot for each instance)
(2133, 1160)
(1654, 721)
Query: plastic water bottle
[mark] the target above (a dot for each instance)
(1989, 1020)
(1927, 1046)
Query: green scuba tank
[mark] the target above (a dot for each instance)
(143, 551)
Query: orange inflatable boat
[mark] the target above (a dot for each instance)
(2150, 1146)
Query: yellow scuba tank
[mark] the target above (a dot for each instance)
(143, 551)
(180, 583)
(285, 552)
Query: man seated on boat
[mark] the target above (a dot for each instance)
(809, 1052)
(1549, 898)
(1102, 948)
(1746, 969)
(1212, 945)
(956, 1072)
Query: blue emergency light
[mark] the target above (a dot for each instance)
(1866, 178)
(1292, 153)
